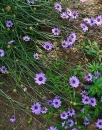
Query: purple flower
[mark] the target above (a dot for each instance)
(64, 44)
(36, 108)
(86, 100)
(44, 100)
(3, 69)
(101, 98)
(30, 1)
(84, 27)
(26, 38)
(93, 102)
(88, 77)
(86, 122)
(56, 31)
(70, 122)
(71, 112)
(64, 15)
(9, 23)
(36, 56)
(74, 14)
(87, 20)
(12, 119)
(40, 78)
(63, 124)
(92, 22)
(12, 41)
(73, 36)
(25, 89)
(98, 20)
(56, 97)
(82, 109)
(74, 81)
(58, 7)
(47, 46)
(44, 110)
(50, 102)
(69, 12)
(52, 128)
(1, 53)
(84, 93)
(64, 115)
(83, 0)
(97, 74)
(99, 123)
(74, 129)
(56, 103)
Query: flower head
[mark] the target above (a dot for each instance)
(36, 56)
(98, 20)
(70, 122)
(74, 14)
(26, 38)
(52, 128)
(86, 100)
(1, 53)
(74, 129)
(93, 102)
(83, 0)
(40, 78)
(88, 77)
(44, 110)
(36, 108)
(69, 12)
(97, 75)
(25, 89)
(58, 7)
(56, 31)
(3, 69)
(50, 102)
(87, 20)
(71, 112)
(64, 115)
(92, 22)
(47, 46)
(84, 93)
(84, 27)
(86, 122)
(56, 103)
(74, 81)
(12, 41)
(99, 123)
(9, 23)
(30, 1)
(64, 15)
(12, 119)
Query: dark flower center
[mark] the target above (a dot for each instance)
(40, 79)
(86, 100)
(56, 31)
(98, 20)
(92, 101)
(36, 107)
(57, 6)
(63, 115)
(56, 103)
(69, 122)
(47, 46)
(100, 123)
(88, 76)
(73, 81)
(70, 40)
